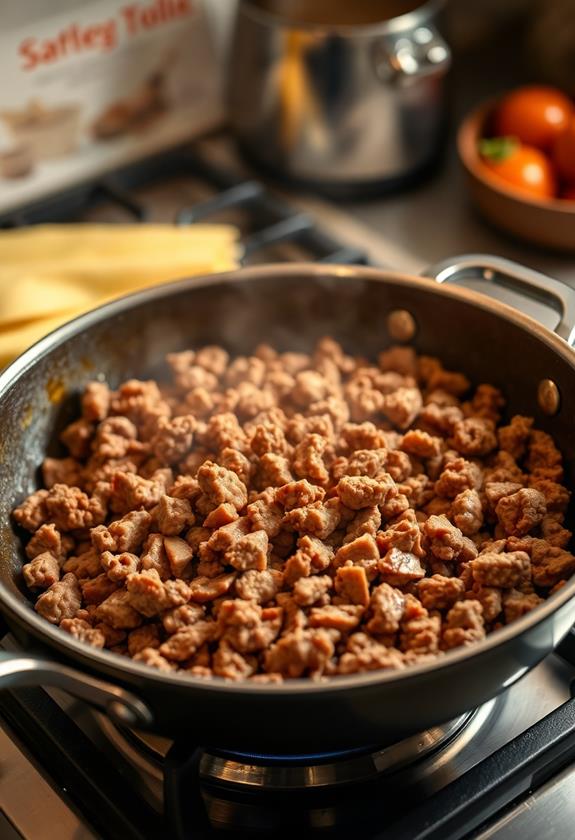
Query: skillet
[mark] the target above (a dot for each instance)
(289, 306)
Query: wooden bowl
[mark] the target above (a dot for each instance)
(547, 222)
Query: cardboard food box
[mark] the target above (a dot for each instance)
(91, 86)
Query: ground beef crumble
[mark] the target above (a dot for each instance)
(288, 515)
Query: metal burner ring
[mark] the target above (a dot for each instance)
(335, 770)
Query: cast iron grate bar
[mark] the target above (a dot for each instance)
(346, 256)
(233, 197)
(522, 765)
(287, 229)
(74, 763)
(116, 194)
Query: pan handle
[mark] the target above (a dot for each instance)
(502, 272)
(18, 670)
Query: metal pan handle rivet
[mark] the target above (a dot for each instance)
(423, 35)
(437, 54)
(401, 325)
(548, 397)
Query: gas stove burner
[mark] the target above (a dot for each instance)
(259, 772)
(297, 772)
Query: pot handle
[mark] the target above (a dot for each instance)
(18, 670)
(502, 272)
(411, 55)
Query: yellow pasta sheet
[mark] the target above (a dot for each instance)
(51, 273)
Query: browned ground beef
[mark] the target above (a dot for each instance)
(287, 515)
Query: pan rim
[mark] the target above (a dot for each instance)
(106, 661)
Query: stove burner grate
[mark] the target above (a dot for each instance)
(271, 224)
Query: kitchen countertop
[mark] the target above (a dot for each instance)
(436, 220)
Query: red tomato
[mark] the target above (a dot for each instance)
(525, 168)
(536, 115)
(564, 152)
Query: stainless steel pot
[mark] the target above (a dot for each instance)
(342, 108)
(291, 306)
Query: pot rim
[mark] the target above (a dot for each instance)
(405, 22)
(107, 661)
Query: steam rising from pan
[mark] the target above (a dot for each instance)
(242, 315)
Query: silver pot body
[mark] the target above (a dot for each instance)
(343, 109)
